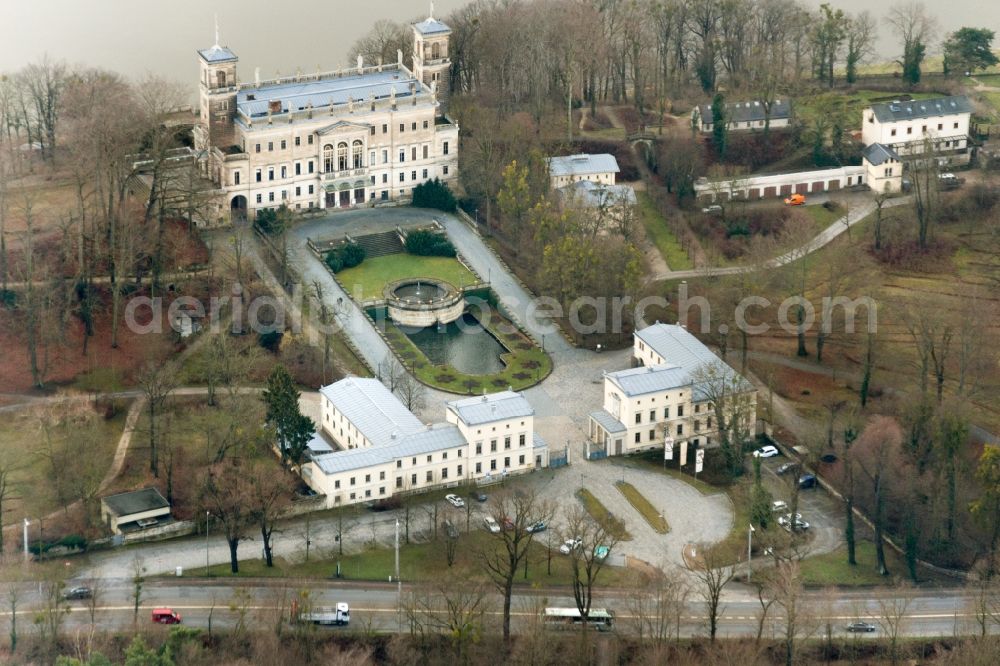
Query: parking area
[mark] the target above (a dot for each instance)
(823, 512)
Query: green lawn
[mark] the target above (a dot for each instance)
(367, 281)
(661, 236)
(833, 569)
(611, 524)
(822, 216)
(429, 562)
(52, 449)
(644, 507)
(993, 98)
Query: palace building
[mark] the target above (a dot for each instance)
(338, 139)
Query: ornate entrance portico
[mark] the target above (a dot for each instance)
(345, 173)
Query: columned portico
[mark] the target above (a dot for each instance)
(345, 167)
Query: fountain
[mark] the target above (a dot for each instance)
(421, 302)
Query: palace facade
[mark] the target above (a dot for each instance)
(338, 139)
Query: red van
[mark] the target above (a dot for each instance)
(166, 616)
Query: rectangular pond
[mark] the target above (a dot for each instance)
(464, 344)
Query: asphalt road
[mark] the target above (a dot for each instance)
(374, 607)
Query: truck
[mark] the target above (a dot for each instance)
(338, 616)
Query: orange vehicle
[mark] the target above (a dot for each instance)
(796, 199)
(166, 616)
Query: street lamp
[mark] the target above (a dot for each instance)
(207, 514)
(749, 551)
(26, 523)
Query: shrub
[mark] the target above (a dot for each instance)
(352, 254)
(347, 256)
(426, 243)
(270, 341)
(434, 194)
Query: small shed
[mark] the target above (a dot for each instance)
(138, 509)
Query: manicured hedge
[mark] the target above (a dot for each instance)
(426, 243)
(347, 256)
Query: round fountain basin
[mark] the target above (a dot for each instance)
(422, 302)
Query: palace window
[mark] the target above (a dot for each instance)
(259, 198)
(402, 179)
(284, 172)
(445, 169)
(402, 155)
(298, 141)
(425, 174)
(283, 144)
(270, 173)
(298, 168)
(402, 127)
(270, 146)
(257, 175)
(425, 151)
(357, 152)
(342, 156)
(413, 153)
(328, 158)
(310, 141)
(445, 148)
(310, 189)
(236, 178)
(425, 124)
(270, 196)
(310, 168)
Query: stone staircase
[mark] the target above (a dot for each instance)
(381, 244)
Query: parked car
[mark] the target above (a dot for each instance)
(796, 199)
(807, 481)
(861, 627)
(779, 506)
(78, 593)
(478, 496)
(492, 525)
(949, 181)
(166, 616)
(785, 468)
(601, 552)
(540, 526)
(784, 519)
(455, 501)
(766, 452)
(450, 529)
(570, 545)
(710, 210)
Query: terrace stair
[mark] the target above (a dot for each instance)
(381, 244)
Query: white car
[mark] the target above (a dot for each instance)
(766, 452)
(455, 501)
(492, 525)
(779, 506)
(570, 545)
(708, 210)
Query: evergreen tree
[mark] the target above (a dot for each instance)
(292, 430)
(720, 130)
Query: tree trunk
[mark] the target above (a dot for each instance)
(883, 570)
(800, 318)
(265, 537)
(849, 533)
(507, 594)
(234, 563)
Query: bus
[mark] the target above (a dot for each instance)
(601, 619)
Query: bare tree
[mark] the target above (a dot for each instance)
(45, 81)
(225, 492)
(504, 553)
(657, 605)
(595, 545)
(878, 455)
(157, 382)
(411, 391)
(893, 606)
(269, 497)
(711, 576)
(52, 612)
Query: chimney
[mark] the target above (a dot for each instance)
(380, 63)
(413, 93)
(361, 63)
(256, 76)
(399, 57)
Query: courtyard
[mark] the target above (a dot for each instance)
(367, 281)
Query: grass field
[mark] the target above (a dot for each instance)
(427, 562)
(661, 236)
(833, 569)
(367, 281)
(822, 216)
(611, 524)
(643, 506)
(76, 440)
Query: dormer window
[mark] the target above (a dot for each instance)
(251, 97)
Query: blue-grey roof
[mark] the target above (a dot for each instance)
(877, 153)
(318, 445)
(608, 422)
(583, 164)
(136, 501)
(752, 111)
(298, 95)
(537, 442)
(650, 379)
(921, 108)
(491, 407)
(431, 26)
(217, 54)
(430, 439)
(589, 194)
(372, 409)
(676, 345)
